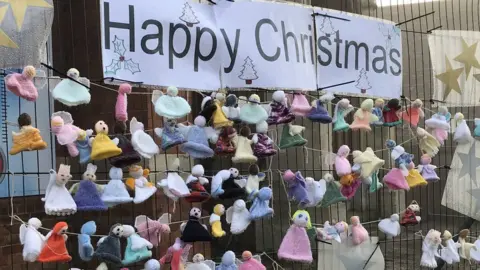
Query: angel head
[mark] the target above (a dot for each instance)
(220, 96)
(89, 228)
(355, 220)
(446, 235)
(200, 121)
(198, 170)
(115, 173)
(253, 169)
(443, 110)
(63, 175)
(101, 127)
(343, 151)
(219, 209)
(34, 223)
(239, 205)
(328, 177)
(394, 104)
(433, 237)
(301, 218)
(60, 228)
(234, 172)
(390, 144)
(152, 264)
(246, 255)
(379, 103)
(197, 258)
(425, 159)
(342, 105)
(254, 98)
(228, 258)
(288, 176)
(171, 123)
(73, 73)
(128, 230)
(459, 117)
(136, 171)
(195, 213)
(464, 233)
(327, 97)
(417, 103)
(29, 72)
(341, 226)
(116, 230)
(125, 88)
(231, 100)
(395, 217)
(245, 131)
(24, 120)
(414, 206)
(264, 194)
(309, 180)
(262, 127)
(279, 96)
(172, 91)
(367, 104)
(89, 174)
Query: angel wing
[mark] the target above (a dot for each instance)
(420, 168)
(238, 262)
(242, 182)
(258, 258)
(212, 134)
(23, 231)
(139, 242)
(182, 226)
(158, 132)
(229, 215)
(210, 264)
(183, 129)
(329, 158)
(186, 251)
(66, 116)
(140, 220)
(101, 240)
(84, 81)
(156, 94)
(166, 218)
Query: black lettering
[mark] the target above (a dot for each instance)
(198, 54)
(259, 45)
(172, 51)
(285, 43)
(158, 37)
(303, 38)
(396, 62)
(231, 52)
(310, 40)
(381, 59)
(339, 41)
(324, 50)
(357, 50)
(130, 26)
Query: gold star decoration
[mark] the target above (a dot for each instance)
(5, 40)
(467, 57)
(450, 79)
(19, 8)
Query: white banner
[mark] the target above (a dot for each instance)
(248, 44)
(360, 49)
(455, 66)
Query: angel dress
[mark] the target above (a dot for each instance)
(31, 239)
(264, 146)
(88, 197)
(395, 180)
(22, 84)
(175, 183)
(141, 141)
(251, 264)
(128, 156)
(427, 143)
(462, 132)
(363, 116)
(252, 112)
(244, 152)
(315, 191)
(319, 114)
(170, 134)
(85, 248)
(225, 144)
(428, 172)
(143, 188)
(152, 230)
(229, 262)
(291, 137)
(409, 218)
(342, 108)
(177, 255)
(194, 231)
(279, 114)
(390, 226)
(170, 105)
(342, 165)
(350, 190)
(238, 217)
(27, 139)
(450, 253)
(295, 245)
(332, 194)
(430, 250)
(390, 113)
(55, 249)
(195, 183)
(65, 131)
(72, 93)
(115, 192)
(84, 149)
(438, 126)
(219, 118)
(108, 248)
(232, 190)
(300, 105)
(137, 249)
(58, 200)
(414, 179)
(260, 208)
(197, 141)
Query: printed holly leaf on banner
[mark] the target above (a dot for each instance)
(119, 46)
(132, 66)
(114, 66)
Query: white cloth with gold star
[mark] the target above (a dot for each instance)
(455, 67)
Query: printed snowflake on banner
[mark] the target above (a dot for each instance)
(116, 64)
(390, 32)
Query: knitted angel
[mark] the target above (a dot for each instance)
(253, 180)
(300, 105)
(439, 124)
(368, 161)
(244, 152)
(363, 116)
(263, 145)
(170, 105)
(58, 200)
(332, 232)
(137, 249)
(174, 183)
(427, 143)
(315, 191)
(219, 179)
(462, 132)
(359, 233)
(128, 156)
(143, 188)
(152, 230)
(319, 113)
(170, 134)
(449, 253)
(332, 194)
(292, 136)
(67, 133)
(230, 108)
(193, 230)
(466, 249)
(28, 138)
(390, 226)
(31, 239)
(391, 113)
(229, 262)
(115, 192)
(199, 263)
(226, 141)
(215, 220)
(87, 192)
(342, 165)
(430, 249)
(260, 208)
(409, 217)
(108, 247)
(238, 217)
(74, 91)
(55, 249)
(413, 113)
(219, 117)
(253, 112)
(198, 137)
(21, 84)
(141, 141)
(85, 248)
(195, 183)
(279, 112)
(295, 245)
(177, 255)
(427, 170)
(296, 187)
(377, 110)
(342, 109)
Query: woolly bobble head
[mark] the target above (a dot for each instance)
(288, 176)
(254, 98)
(459, 116)
(29, 72)
(198, 258)
(25, 120)
(172, 91)
(128, 231)
(228, 258)
(379, 103)
(253, 169)
(355, 220)
(301, 218)
(425, 159)
(219, 209)
(442, 110)
(73, 73)
(152, 264)
(417, 103)
(101, 127)
(328, 177)
(231, 100)
(367, 104)
(341, 227)
(117, 230)
(395, 217)
(414, 206)
(200, 121)
(265, 194)
(234, 172)
(446, 235)
(35, 223)
(390, 144)
(279, 96)
(246, 255)
(125, 88)
(220, 97)
(198, 170)
(262, 127)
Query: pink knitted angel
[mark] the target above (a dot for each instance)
(359, 234)
(151, 229)
(22, 84)
(121, 105)
(67, 133)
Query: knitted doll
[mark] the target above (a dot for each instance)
(315, 191)
(219, 118)
(359, 233)
(31, 239)
(319, 113)
(430, 249)
(215, 221)
(22, 84)
(368, 161)
(409, 217)
(170, 105)
(413, 114)
(143, 188)
(329, 232)
(208, 107)
(427, 143)
(128, 156)
(263, 146)
(28, 138)
(260, 208)
(439, 124)
(84, 147)
(70, 92)
(67, 133)
(225, 144)
(462, 132)
(195, 183)
(378, 112)
(474, 252)
(342, 165)
(199, 263)
(231, 109)
(108, 247)
(291, 136)
(300, 105)
(390, 226)
(177, 255)
(58, 200)
(238, 217)
(342, 108)
(449, 253)
(466, 249)
(414, 179)
(395, 180)
(102, 146)
(142, 142)
(197, 137)
(244, 152)
(217, 181)
(349, 187)
(85, 248)
(390, 113)
(476, 131)
(253, 180)
(427, 170)
(170, 134)
(175, 183)
(250, 262)
(253, 112)
(193, 230)
(403, 160)
(228, 261)
(87, 192)
(152, 230)
(137, 249)
(225, 186)
(295, 245)
(115, 192)
(332, 194)
(363, 116)
(55, 249)
(296, 187)
(121, 113)
(279, 112)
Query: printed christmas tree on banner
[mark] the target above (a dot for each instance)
(188, 15)
(248, 72)
(362, 83)
(327, 26)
